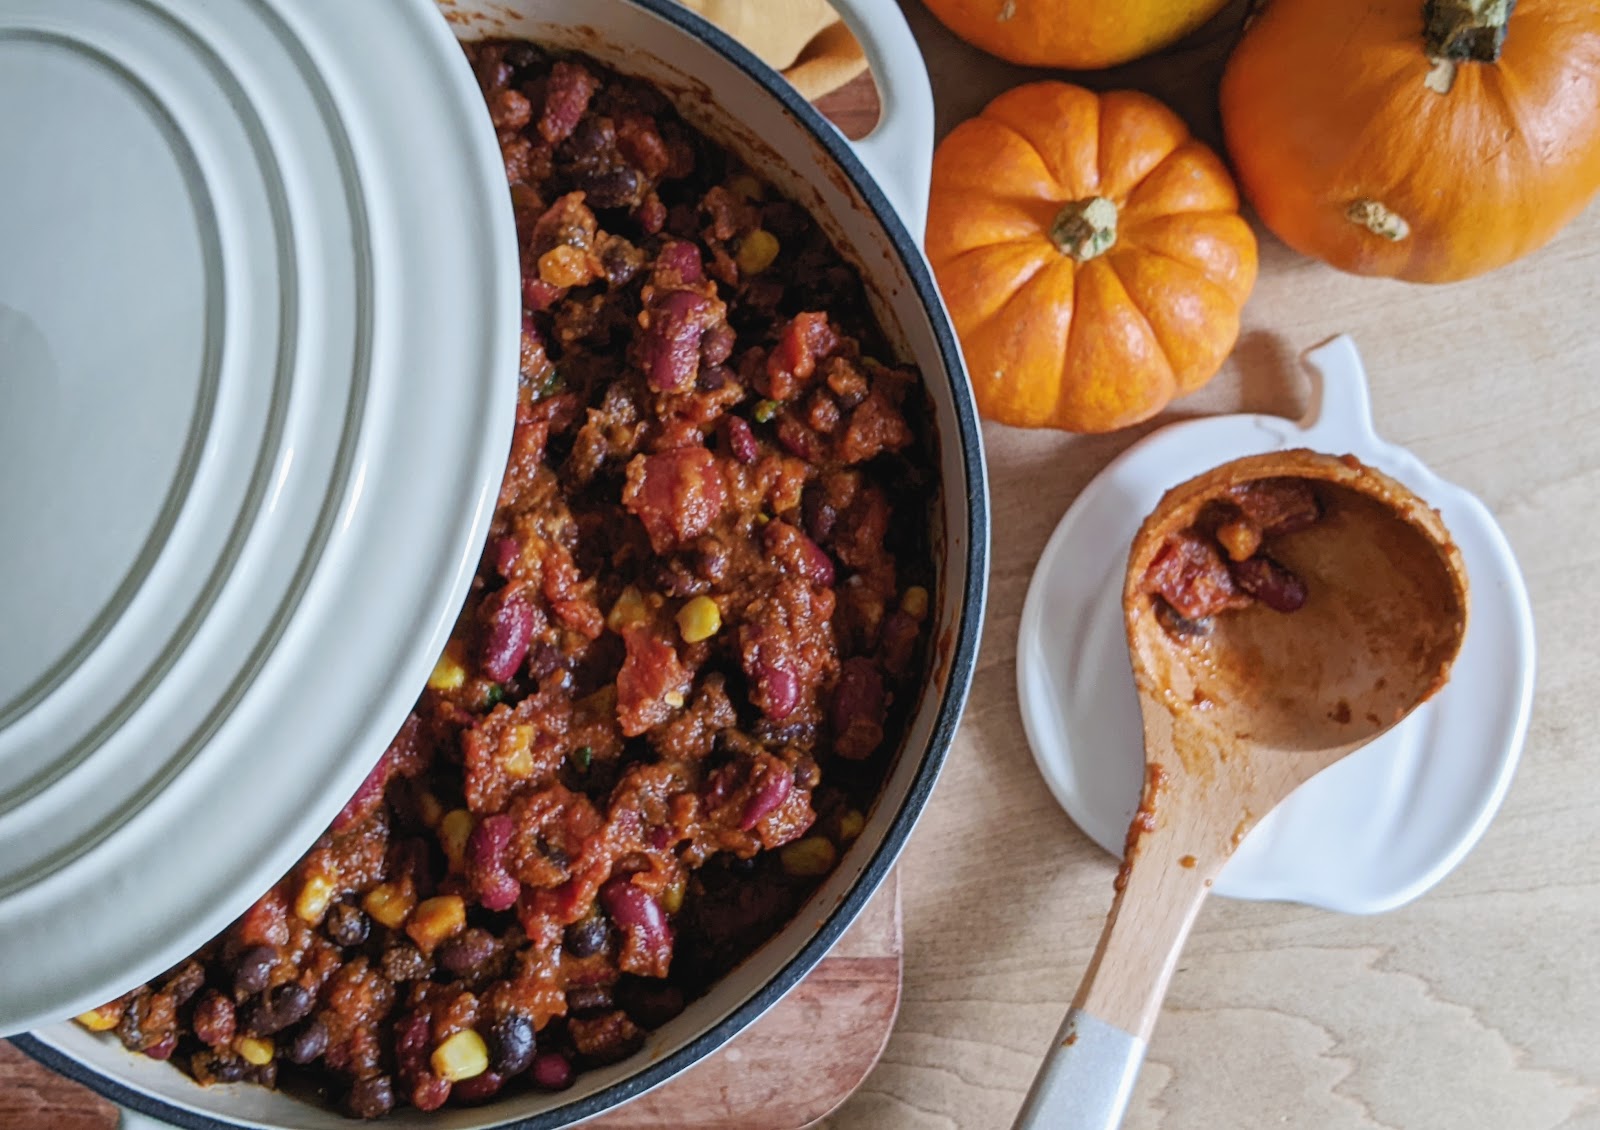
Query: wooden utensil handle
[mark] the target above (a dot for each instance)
(1149, 921)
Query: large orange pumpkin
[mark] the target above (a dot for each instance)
(1076, 34)
(1430, 140)
(1091, 255)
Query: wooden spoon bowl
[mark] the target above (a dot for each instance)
(1240, 710)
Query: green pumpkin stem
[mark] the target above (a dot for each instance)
(1085, 228)
(1466, 31)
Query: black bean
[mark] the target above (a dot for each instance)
(586, 938)
(311, 1042)
(465, 955)
(275, 1011)
(370, 1098)
(346, 925)
(588, 999)
(818, 516)
(185, 981)
(611, 188)
(650, 1003)
(252, 969)
(512, 1044)
(264, 1076)
(404, 962)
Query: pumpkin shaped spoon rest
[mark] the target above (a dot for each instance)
(1243, 706)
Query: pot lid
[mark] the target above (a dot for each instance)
(258, 352)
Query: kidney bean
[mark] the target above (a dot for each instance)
(769, 796)
(538, 295)
(495, 887)
(815, 564)
(510, 634)
(819, 517)
(506, 553)
(164, 1047)
(634, 910)
(781, 689)
(671, 346)
(683, 259)
(858, 709)
(253, 969)
(214, 1020)
(588, 999)
(651, 215)
(566, 98)
(1270, 583)
(346, 924)
(741, 440)
(429, 1092)
(283, 1006)
(587, 938)
(512, 1043)
(480, 1088)
(310, 1043)
(370, 1098)
(552, 1071)
(465, 954)
(797, 439)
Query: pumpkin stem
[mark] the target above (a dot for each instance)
(1466, 30)
(1086, 228)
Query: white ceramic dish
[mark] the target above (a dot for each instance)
(1382, 826)
(730, 95)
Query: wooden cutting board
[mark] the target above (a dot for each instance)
(788, 1070)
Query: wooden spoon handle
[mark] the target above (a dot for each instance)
(1088, 1074)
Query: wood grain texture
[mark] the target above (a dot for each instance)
(776, 1074)
(1475, 1008)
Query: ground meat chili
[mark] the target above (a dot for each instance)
(1221, 563)
(679, 679)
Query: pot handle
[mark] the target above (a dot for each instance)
(134, 1120)
(899, 150)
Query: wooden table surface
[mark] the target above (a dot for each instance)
(1478, 1006)
(1475, 1008)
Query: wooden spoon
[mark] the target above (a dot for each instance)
(1236, 720)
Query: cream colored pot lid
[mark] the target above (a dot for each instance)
(258, 339)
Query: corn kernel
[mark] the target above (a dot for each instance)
(850, 825)
(699, 619)
(448, 673)
(807, 858)
(462, 1056)
(101, 1019)
(254, 1051)
(673, 699)
(390, 903)
(519, 762)
(437, 920)
(455, 827)
(564, 266)
(757, 251)
(628, 612)
(429, 810)
(672, 898)
(915, 602)
(315, 895)
(746, 187)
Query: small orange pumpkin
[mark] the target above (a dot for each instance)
(1429, 140)
(1075, 34)
(1090, 253)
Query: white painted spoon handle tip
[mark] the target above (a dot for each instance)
(1086, 1078)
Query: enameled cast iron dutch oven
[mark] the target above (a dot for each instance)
(869, 198)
